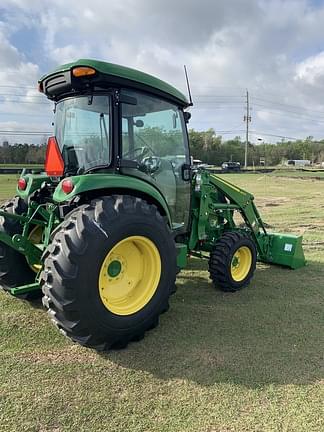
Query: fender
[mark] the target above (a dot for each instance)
(85, 183)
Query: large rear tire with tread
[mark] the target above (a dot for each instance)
(232, 261)
(14, 269)
(109, 272)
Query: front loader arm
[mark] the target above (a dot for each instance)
(215, 199)
(245, 203)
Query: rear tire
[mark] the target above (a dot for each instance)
(14, 269)
(93, 260)
(232, 261)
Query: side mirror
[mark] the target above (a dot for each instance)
(139, 123)
(187, 116)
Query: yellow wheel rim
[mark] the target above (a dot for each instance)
(35, 236)
(241, 263)
(129, 275)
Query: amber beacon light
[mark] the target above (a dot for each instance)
(83, 71)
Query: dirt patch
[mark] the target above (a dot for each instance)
(301, 229)
(312, 226)
(312, 178)
(272, 205)
(272, 201)
(71, 354)
(313, 245)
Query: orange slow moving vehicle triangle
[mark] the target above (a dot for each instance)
(54, 164)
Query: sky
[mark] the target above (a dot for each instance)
(274, 49)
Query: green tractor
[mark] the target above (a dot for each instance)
(103, 232)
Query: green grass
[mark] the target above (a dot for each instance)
(250, 361)
(292, 173)
(7, 185)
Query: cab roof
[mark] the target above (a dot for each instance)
(124, 75)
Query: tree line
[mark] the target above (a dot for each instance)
(206, 146)
(212, 149)
(19, 153)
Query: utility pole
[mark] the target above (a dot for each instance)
(247, 119)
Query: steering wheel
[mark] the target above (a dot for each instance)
(142, 151)
(151, 164)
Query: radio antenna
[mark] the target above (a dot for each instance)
(188, 86)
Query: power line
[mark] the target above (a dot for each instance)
(8, 132)
(24, 114)
(223, 87)
(229, 132)
(223, 105)
(219, 108)
(225, 132)
(26, 102)
(20, 87)
(218, 101)
(287, 105)
(236, 105)
(280, 110)
(217, 96)
(253, 132)
(220, 96)
(21, 95)
(211, 106)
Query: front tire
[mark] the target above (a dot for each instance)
(109, 272)
(232, 261)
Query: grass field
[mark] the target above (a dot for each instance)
(7, 186)
(298, 173)
(250, 361)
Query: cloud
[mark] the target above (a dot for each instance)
(311, 70)
(19, 99)
(267, 46)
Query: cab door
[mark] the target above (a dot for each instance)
(154, 136)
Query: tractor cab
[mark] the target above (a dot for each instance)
(134, 125)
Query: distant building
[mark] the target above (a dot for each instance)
(298, 162)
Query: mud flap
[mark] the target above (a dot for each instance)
(284, 249)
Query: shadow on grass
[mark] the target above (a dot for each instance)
(270, 332)
(36, 303)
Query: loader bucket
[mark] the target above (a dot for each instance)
(285, 249)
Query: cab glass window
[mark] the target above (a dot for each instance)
(82, 126)
(154, 135)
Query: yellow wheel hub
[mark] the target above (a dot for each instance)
(241, 263)
(35, 236)
(129, 275)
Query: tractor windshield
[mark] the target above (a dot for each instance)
(82, 126)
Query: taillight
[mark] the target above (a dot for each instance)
(22, 184)
(54, 164)
(67, 186)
